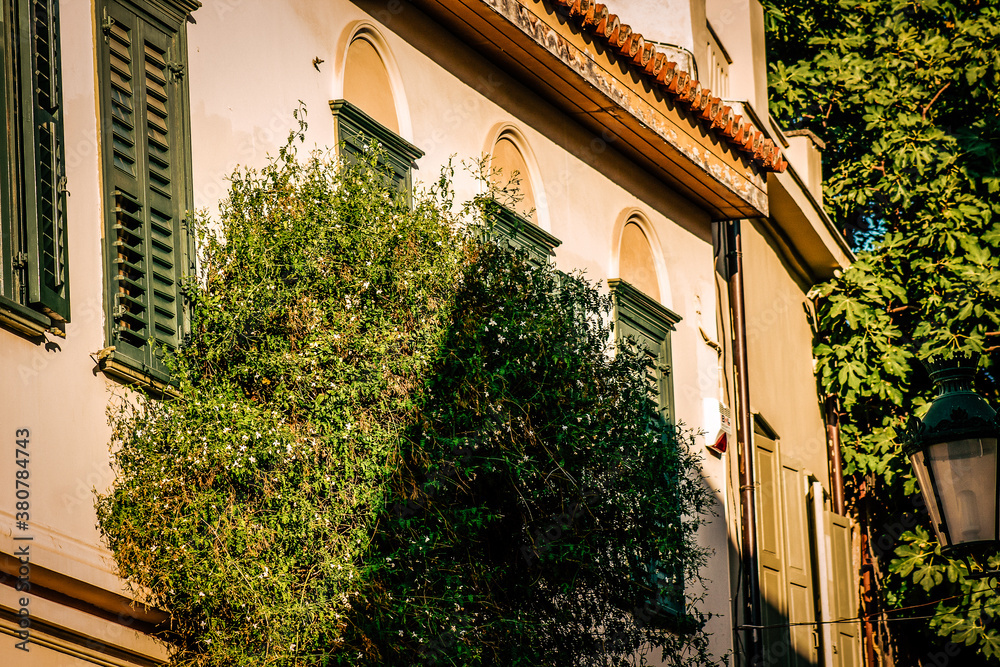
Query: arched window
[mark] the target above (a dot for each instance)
(639, 315)
(517, 221)
(369, 110)
(508, 170)
(644, 324)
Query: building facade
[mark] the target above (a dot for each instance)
(639, 134)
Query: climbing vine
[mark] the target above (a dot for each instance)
(393, 442)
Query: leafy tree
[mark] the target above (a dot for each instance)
(905, 96)
(393, 442)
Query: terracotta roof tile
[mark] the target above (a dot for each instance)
(663, 73)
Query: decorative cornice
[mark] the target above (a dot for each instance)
(187, 7)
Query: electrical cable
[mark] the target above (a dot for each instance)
(995, 604)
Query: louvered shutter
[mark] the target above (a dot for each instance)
(521, 235)
(648, 323)
(48, 266)
(8, 210)
(129, 255)
(645, 323)
(355, 130)
(847, 636)
(771, 554)
(164, 198)
(799, 566)
(147, 187)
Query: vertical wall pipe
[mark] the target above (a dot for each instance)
(833, 454)
(744, 429)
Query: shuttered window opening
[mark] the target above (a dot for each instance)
(34, 280)
(644, 325)
(800, 550)
(356, 131)
(148, 186)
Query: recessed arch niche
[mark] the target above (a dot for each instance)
(366, 83)
(636, 256)
(510, 155)
(368, 76)
(636, 263)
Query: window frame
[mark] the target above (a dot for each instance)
(506, 228)
(355, 130)
(164, 22)
(639, 317)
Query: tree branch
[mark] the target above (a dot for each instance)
(923, 114)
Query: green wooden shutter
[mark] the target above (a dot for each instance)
(45, 177)
(8, 212)
(165, 200)
(847, 636)
(646, 322)
(771, 554)
(147, 187)
(130, 319)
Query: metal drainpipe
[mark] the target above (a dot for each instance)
(748, 508)
(833, 453)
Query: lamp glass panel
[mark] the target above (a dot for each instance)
(965, 479)
(919, 463)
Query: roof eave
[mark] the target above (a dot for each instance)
(539, 45)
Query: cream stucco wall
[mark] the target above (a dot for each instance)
(782, 387)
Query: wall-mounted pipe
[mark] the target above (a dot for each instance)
(833, 454)
(744, 438)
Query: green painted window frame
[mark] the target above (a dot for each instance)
(641, 321)
(34, 262)
(647, 323)
(149, 249)
(507, 228)
(355, 130)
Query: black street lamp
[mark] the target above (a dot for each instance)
(953, 450)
